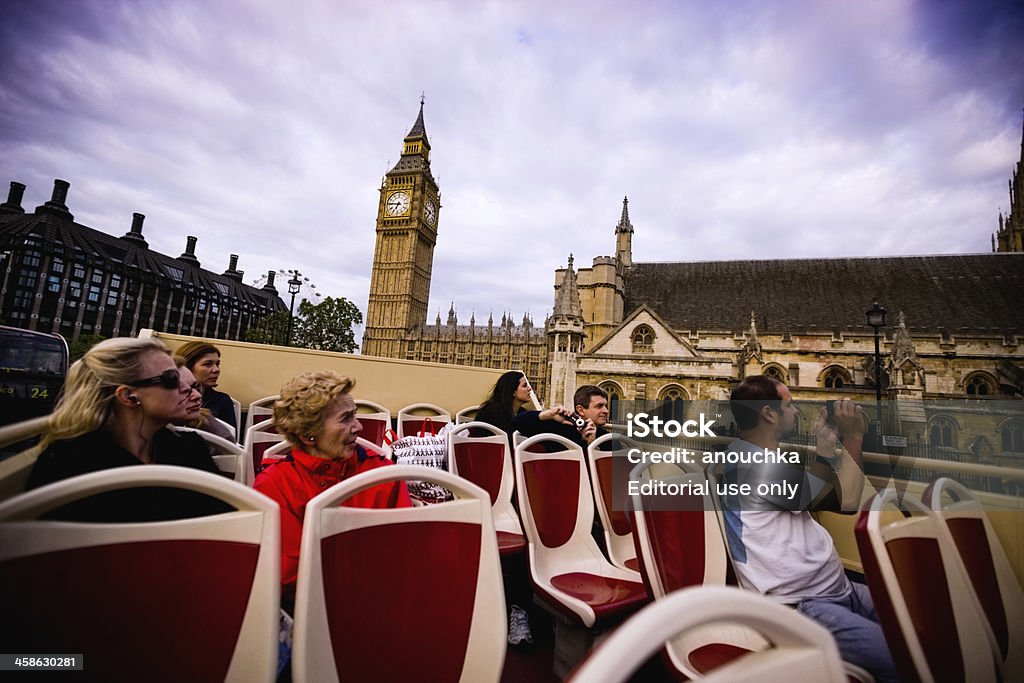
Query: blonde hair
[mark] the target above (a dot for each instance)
(304, 399)
(86, 402)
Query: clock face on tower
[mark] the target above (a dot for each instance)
(430, 212)
(397, 204)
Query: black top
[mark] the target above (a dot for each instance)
(220, 405)
(98, 451)
(493, 414)
(528, 423)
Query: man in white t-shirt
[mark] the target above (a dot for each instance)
(777, 548)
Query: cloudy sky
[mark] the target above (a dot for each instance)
(737, 129)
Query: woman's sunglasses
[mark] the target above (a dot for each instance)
(168, 379)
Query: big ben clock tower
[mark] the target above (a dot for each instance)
(404, 254)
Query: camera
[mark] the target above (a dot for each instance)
(830, 409)
(576, 421)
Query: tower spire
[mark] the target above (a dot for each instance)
(624, 224)
(624, 237)
(567, 303)
(418, 129)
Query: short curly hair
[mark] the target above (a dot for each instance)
(299, 411)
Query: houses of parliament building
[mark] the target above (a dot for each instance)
(688, 331)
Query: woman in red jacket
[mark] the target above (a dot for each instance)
(317, 414)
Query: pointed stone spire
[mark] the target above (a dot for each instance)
(752, 346)
(624, 224)
(452, 320)
(624, 237)
(472, 319)
(438, 321)
(567, 302)
(418, 129)
(902, 344)
(490, 319)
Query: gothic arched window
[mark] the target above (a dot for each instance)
(1012, 432)
(942, 431)
(835, 378)
(614, 400)
(775, 372)
(979, 384)
(643, 339)
(672, 402)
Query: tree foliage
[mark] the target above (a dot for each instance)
(272, 329)
(78, 347)
(326, 326)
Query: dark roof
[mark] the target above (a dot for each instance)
(126, 255)
(981, 293)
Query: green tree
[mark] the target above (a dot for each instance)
(272, 329)
(78, 347)
(327, 326)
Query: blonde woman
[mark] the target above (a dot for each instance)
(317, 414)
(117, 402)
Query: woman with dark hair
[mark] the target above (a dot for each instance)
(508, 396)
(203, 359)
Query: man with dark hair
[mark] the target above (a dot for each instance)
(777, 548)
(590, 403)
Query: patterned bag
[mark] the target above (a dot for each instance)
(425, 450)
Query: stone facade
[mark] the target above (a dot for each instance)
(668, 334)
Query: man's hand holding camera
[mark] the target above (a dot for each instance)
(586, 428)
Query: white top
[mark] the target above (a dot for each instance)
(777, 548)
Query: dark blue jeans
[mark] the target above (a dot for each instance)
(854, 625)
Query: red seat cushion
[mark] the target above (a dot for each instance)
(510, 543)
(707, 657)
(608, 597)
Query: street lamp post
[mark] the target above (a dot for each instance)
(876, 319)
(295, 284)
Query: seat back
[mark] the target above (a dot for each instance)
(122, 592)
(228, 455)
(680, 545)
(420, 417)
(258, 438)
(487, 462)
(802, 650)
(467, 414)
(991, 575)
(609, 474)
(401, 594)
(929, 614)
(228, 428)
(259, 410)
(678, 537)
(237, 405)
(14, 470)
(375, 419)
